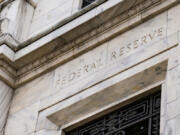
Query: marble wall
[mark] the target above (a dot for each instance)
(47, 16)
(130, 63)
(5, 101)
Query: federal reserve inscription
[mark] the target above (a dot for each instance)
(97, 59)
(135, 44)
(78, 73)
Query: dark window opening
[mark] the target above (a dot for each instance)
(139, 118)
(87, 2)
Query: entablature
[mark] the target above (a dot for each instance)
(66, 41)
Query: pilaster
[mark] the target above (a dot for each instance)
(170, 112)
(5, 99)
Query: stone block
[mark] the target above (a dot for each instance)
(170, 128)
(44, 123)
(6, 94)
(177, 124)
(162, 125)
(172, 20)
(73, 108)
(174, 58)
(171, 110)
(178, 106)
(54, 13)
(173, 84)
(32, 92)
(42, 7)
(22, 122)
(163, 99)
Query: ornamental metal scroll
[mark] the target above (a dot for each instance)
(139, 118)
(87, 2)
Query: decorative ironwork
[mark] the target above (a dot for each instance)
(87, 2)
(139, 118)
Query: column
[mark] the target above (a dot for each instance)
(5, 100)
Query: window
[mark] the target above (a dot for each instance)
(139, 118)
(87, 2)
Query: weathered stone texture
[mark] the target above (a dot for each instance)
(46, 16)
(5, 101)
(32, 93)
(58, 87)
(22, 122)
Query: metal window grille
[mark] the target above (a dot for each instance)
(139, 118)
(87, 2)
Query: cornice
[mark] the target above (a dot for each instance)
(8, 72)
(59, 55)
(91, 39)
(35, 37)
(6, 38)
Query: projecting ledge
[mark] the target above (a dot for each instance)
(93, 103)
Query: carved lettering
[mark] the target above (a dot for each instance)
(93, 66)
(160, 32)
(136, 44)
(144, 40)
(121, 51)
(72, 76)
(129, 47)
(113, 55)
(86, 68)
(151, 36)
(89, 67)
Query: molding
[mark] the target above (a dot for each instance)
(108, 108)
(7, 77)
(7, 54)
(8, 72)
(7, 39)
(90, 40)
(22, 68)
(63, 22)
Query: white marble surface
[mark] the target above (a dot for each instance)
(22, 122)
(123, 56)
(5, 100)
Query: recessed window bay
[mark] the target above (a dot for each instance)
(139, 118)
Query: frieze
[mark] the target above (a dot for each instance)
(90, 39)
(24, 71)
(118, 52)
(102, 57)
(81, 71)
(80, 67)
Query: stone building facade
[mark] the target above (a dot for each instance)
(90, 67)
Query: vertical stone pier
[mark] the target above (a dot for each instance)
(5, 100)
